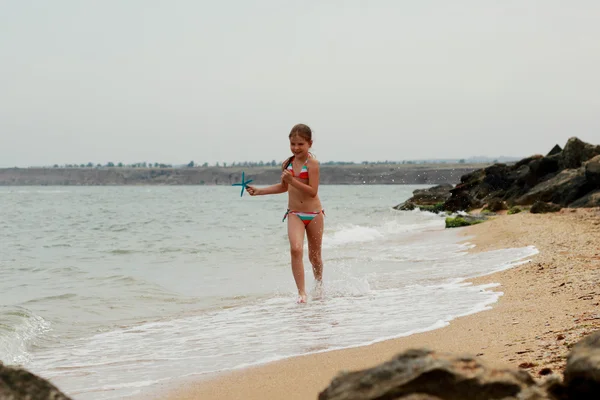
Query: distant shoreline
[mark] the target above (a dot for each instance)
(371, 174)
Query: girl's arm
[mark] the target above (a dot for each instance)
(274, 189)
(313, 179)
(281, 187)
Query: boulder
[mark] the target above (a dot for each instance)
(576, 152)
(406, 206)
(425, 374)
(589, 200)
(540, 207)
(592, 171)
(495, 205)
(18, 384)
(527, 160)
(555, 150)
(434, 196)
(564, 188)
(582, 373)
(464, 220)
(461, 201)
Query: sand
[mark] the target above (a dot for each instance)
(547, 305)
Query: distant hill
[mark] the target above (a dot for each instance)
(355, 174)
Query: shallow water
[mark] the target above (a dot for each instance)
(107, 290)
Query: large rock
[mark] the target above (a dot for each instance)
(426, 197)
(433, 195)
(424, 374)
(20, 384)
(582, 373)
(555, 150)
(589, 200)
(576, 152)
(564, 188)
(592, 171)
(461, 201)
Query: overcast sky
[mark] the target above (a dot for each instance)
(174, 81)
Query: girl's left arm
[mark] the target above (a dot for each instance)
(313, 179)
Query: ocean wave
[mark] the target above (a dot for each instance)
(18, 331)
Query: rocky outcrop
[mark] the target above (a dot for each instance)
(425, 374)
(20, 384)
(427, 197)
(568, 178)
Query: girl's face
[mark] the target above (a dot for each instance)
(299, 146)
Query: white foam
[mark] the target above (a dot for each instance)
(26, 328)
(352, 234)
(351, 312)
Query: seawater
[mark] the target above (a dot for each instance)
(108, 290)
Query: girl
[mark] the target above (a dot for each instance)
(300, 178)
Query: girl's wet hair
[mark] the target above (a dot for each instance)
(304, 132)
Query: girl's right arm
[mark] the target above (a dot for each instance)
(281, 187)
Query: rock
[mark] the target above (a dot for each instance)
(589, 200)
(495, 205)
(592, 171)
(576, 152)
(464, 220)
(582, 373)
(461, 201)
(434, 196)
(541, 169)
(555, 150)
(564, 188)
(18, 384)
(406, 206)
(527, 160)
(514, 210)
(539, 207)
(424, 374)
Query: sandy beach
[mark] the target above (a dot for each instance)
(548, 304)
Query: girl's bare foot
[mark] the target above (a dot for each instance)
(301, 298)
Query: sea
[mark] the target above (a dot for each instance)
(109, 292)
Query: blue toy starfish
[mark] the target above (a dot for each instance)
(243, 184)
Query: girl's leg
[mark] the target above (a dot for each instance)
(314, 233)
(296, 235)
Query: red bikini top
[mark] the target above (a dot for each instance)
(303, 172)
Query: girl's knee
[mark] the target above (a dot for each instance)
(296, 251)
(315, 258)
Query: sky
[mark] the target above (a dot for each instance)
(174, 81)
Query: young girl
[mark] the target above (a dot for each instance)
(300, 178)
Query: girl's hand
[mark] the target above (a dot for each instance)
(252, 191)
(286, 176)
